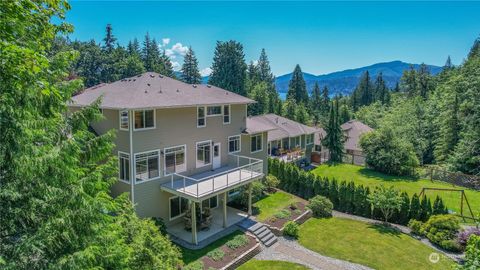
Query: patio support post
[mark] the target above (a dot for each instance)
(224, 202)
(194, 222)
(250, 199)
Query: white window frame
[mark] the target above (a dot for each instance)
(120, 167)
(229, 114)
(261, 140)
(165, 160)
(135, 167)
(196, 154)
(307, 137)
(239, 143)
(146, 128)
(204, 116)
(180, 205)
(213, 115)
(120, 120)
(299, 141)
(209, 205)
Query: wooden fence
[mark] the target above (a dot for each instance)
(454, 178)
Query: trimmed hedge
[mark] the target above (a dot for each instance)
(348, 197)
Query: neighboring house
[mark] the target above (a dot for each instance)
(287, 140)
(352, 130)
(180, 145)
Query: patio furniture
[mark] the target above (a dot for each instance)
(204, 219)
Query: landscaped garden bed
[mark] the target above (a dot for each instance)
(221, 253)
(289, 213)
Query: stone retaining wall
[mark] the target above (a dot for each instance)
(249, 254)
(299, 220)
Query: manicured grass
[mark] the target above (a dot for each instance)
(190, 255)
(375, 246)
(367, 177)
(273, 204)
(274, 265)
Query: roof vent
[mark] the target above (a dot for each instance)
(129, 79)
(194, 85)
(146, 91)
(159, 91)
(133, 79)
(178, 91)
(139, 75)
(209, 86)
(160, 75)
(152, 76)
(148, 84)
(226, 93)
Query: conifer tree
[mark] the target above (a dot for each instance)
(449, 134)
(424, 81)
(133, 48)
(325, 101)
(290, 109)
(415, 207)
(448, 64)
(364, 92)
(109, 38)
(297, 88)
(475, 50)
(165, 66)
(229, 68)
(190, 72)
(403, 216)
(381, 92)
(333, 193)
(409, 81)
(334, 138)
(396, 89)
(316, 103)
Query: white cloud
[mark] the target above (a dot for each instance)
(175, 65)
(178, 48)
(165, 41)
(205, 71)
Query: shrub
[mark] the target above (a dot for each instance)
(442, 230)
(320, 206)
(216, 254)
(257, 192)
(385, 152)
(237, 241)
(293, 205)
(291, 229)
(283, 214)
(472, 254)
(271, 182)
(197, 265)
(415, 226)
(463, 236)
(160, 225)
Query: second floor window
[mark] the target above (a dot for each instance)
(234, 144)
(124, 120)
(144, 119)
(214, 110)
(175, 160)
(203, 153)
(256, 143)
(201, 117)
(147, 166)
(226, 114)
(124, 166)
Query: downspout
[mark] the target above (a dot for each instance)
(132, 158)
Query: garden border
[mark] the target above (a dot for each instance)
(246, 256)
(299, 220)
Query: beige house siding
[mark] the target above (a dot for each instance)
(246, 147)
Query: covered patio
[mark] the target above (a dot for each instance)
(213, 232)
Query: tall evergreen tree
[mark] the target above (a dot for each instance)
(448, 63)
(133, 47)
(166, 67)
(109, 38)
(475, 50)
(450, 128)
(409, 81)
(290, 109)
(364, 92)
(229, 68)
(316, 103)
(424, 81)
(381, 92)
(190, 72)
(334, 138)
(297, 88)
(325, 100)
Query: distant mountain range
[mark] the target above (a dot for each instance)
(345, 81)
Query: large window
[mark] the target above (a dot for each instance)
(214, 110)
(234, 144)
(201, 117)
(309, 139)
(256, 143)
(124, 166)
(147, 166)
(226, 114)
(296, 141)
(175, 160)
(210, 203)
(144, 119)
(124, 120)
(204, 153)
(178, 206)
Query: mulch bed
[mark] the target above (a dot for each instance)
(301, 207)
(230, 254)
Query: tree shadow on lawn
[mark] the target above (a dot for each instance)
(370, 173)
(385, 229)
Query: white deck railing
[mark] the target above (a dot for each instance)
(198, 187)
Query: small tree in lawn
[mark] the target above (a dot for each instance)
(388, 200)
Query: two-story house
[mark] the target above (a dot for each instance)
(182, 149)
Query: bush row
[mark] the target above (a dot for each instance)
(348, 197)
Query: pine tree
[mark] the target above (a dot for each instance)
(133, 48)
(449, 133)
(409, 81)
(424, 81)
(425, 210)
(448, 64)
(438, 206)
(301, 114)
(333, 193)
(396, 89)
(259, 93)
(415, 207)
(297, 88)
(381, 92)
(364, 92)
(229, 68)
(109, 38)
(290, 109)
(190, 72)
(334, 139)
(316, 103)
(475, 50)
(403, 216)
(166, 67)
(342, 197)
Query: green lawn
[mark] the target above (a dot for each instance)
(273, 203)
(372, 245)
(274, 265)
(190, 255)
(371, 178)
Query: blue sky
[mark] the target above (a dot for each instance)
(320, 36)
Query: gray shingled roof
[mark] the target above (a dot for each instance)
(152, 90)
(257, 124)
(284, 127)
(353, 131)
